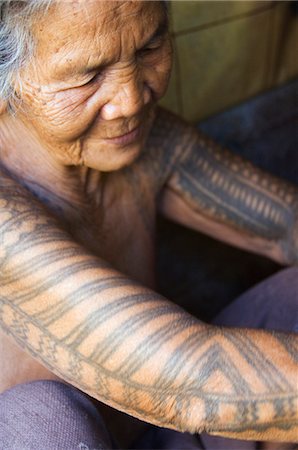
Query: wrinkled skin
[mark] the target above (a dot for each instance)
(75, 100)
(88, 102)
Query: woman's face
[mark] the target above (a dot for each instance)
(98, 70)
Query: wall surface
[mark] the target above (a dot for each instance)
(229, 51)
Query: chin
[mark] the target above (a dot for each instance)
(108, 156)
(112, 159)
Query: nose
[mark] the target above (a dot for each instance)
(130, 96)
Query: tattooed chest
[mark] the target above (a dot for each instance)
(129, 248)
(124, 236)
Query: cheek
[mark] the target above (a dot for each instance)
(61, 115)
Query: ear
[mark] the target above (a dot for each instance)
(3, 106)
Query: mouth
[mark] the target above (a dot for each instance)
(125, 139)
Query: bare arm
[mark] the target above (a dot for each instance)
(128, 346)
(219, 193)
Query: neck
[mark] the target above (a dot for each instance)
(64, 189)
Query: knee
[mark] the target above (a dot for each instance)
(50, 414)
(289, 275)
(284, 286)
(287, 295)
(272, 304)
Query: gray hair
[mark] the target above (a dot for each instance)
(16, 41)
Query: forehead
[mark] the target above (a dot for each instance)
(101, 25)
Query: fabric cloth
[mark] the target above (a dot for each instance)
(49, 415)
(271, 305)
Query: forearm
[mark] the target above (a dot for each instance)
(227, 197)
(129, 347)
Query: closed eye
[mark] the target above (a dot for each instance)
(154, 46)
(91, 80)
(150, 48)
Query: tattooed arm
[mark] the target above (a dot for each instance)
(129, 347)
(220, 194)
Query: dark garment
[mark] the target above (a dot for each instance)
(49, 415)
(271, 305)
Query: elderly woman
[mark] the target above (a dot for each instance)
(87, 160)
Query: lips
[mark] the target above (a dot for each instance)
(126, 138)
(119, 135)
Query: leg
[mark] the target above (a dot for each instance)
(272, 304)
(50, 415)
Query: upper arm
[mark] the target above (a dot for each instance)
(216, 192)
(126, 345)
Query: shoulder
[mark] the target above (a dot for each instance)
(169, 139)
